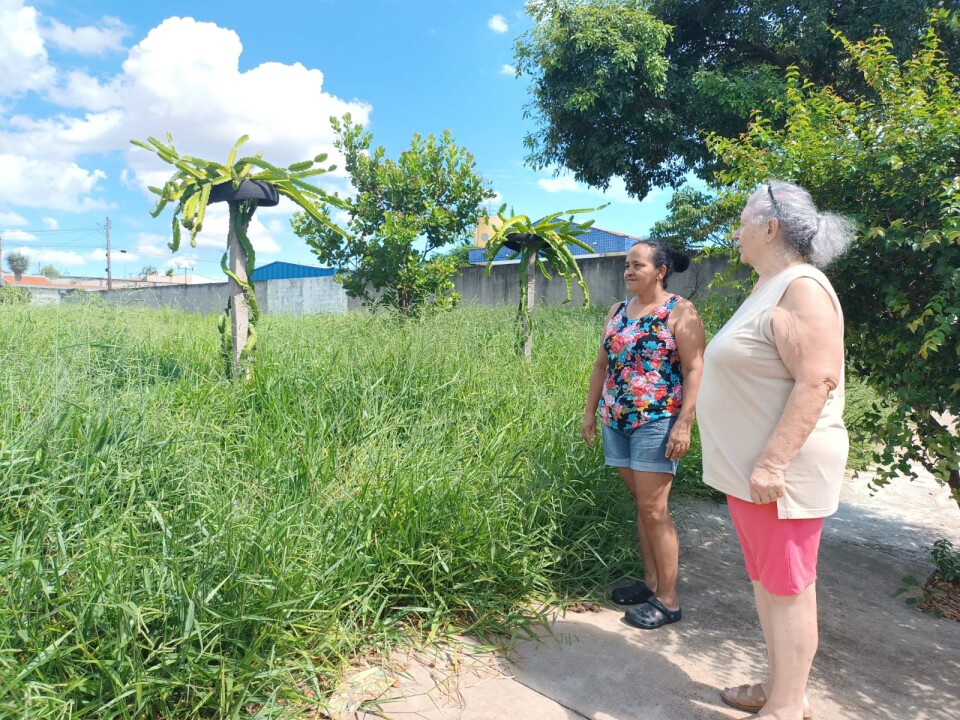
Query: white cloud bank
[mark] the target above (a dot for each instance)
(182, 78)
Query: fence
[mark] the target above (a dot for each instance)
(306, 296)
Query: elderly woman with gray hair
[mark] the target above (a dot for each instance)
(770, 414)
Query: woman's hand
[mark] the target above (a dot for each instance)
(767, 483)
(589, 428)
(679, 441)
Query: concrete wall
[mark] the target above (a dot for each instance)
(308, 296)
(204, 298)
(603, 276)
(301, 296)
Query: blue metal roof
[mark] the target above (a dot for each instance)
(602, 241)
(281, 270)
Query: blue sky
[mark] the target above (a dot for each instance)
(82, 78)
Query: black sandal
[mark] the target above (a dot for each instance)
(631, 594)
(651, 615)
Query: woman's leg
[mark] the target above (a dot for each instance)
(657, 532)
(792, 638)
(646, 550)
(760, 597)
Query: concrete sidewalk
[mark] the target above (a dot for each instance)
(878, 657)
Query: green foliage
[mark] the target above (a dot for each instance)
(189, 191)
(18, 262)
(946, 560)
(189, 187)
(598, 68)
(940, 586)
(890, 163)
(546, 245)
(403, 211)
(697, 220)
(50, 271)
(629, 88)
(14, 295)
(173, 545)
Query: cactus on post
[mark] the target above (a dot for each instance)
(245, 184)
(544, 244)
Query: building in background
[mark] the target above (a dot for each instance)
(602, 242)
(282, 270)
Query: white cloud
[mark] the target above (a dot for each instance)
(12, 218)
(182, 78)
(184, 262)
(152, 245)
(87, 40)
(508, 70)
(616, 193)
(55, 185)
(45, 256)
(498, 23)
(22, 54)
(118, 255)
(51, 223)
(19, 236)
(564, 183)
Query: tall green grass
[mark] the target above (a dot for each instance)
(173, 545)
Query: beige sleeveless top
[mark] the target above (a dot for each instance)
(744, 390)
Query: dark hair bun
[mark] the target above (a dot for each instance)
(680, 261)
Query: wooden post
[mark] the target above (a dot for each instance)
(531, 297)
(239, 311)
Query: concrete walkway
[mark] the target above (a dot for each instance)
(878, 658)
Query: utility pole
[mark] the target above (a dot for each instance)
(1, 260)
(109, 263)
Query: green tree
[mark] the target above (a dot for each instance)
(889, 162)
(14, 295)
(630, 88)
(244, 183)
(50, 271)
(544, 245)
(403, 211)
(148, 270)
(18, 264)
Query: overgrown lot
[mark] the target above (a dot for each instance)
(173, 545)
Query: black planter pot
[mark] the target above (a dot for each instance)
(516, 241)
(264, 193)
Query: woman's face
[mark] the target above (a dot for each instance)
(640, 273)
(750, 237)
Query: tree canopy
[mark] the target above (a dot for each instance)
(630, 88)
(888, 161)
(403, 211)
(18, 262)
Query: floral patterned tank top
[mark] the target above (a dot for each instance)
(644, 381)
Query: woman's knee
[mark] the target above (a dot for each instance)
(652, 512)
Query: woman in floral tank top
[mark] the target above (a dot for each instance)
(644, 384)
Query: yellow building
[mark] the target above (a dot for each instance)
(485, 229)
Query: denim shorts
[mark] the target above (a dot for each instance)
(645, 449)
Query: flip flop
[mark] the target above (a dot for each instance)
(631, 594)
(753, 701)
(651, 615)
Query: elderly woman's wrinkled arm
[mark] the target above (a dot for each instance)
(807, 332)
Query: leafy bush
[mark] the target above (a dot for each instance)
(14, 295)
